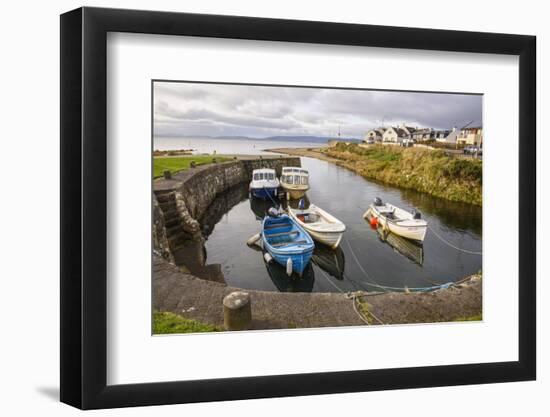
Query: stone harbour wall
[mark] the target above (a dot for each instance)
(192, 191)
(160, 240)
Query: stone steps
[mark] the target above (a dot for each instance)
(173, 230)
(164, 197)
(168, 205)
(177, 240)
(171, 221)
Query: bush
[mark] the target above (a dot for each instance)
(464, 168)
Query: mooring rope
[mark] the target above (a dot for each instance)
(269, 195)
(389, 288)
(363, 319)
(357, 261)
(348, 295)
(453, 246)
(331, 283)
(353, 297)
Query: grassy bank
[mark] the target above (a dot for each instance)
(177, 164)
(168, 323)
(427, 171)
(477, 317)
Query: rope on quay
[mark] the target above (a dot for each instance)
(453, 246)
(353, 297)
(349, 295)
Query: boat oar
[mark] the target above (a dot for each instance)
(253, 239)
(367, 214)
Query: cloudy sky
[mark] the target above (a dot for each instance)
(189, 109)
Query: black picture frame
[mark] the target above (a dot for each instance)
(84, 207)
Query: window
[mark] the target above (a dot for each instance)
(270, 176)
(304, 181)
(296, 179)
(255, 177)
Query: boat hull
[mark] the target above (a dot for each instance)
(331, 239)
(408, 231)
(295, 194)
(299, 260)
(264, 193)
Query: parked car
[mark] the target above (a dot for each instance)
(369, 141)
(473, 150)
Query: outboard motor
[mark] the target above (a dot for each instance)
(378, 201)
(416, 214)
(273, 212)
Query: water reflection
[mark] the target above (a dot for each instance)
(260, 207)
(460, 216)
(332, 261)
(284, 283)
(409, 249)
(222, 204)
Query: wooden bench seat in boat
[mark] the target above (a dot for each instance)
(282, 234)
(298, 242)
(275, 225)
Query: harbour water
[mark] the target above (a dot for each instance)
(367, 259)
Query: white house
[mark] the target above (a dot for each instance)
(423, 134)
(397, 134)
(375, 134)
(447, 136)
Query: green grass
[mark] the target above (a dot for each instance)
(429, 171)
(169, 323)
(477, 317)
(181, 163)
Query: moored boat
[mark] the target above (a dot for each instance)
(295, 181)
(401, 222)
(286, 242)
(264, 183)
(322, 226)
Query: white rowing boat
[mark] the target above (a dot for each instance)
(322, 226)
(398, 221)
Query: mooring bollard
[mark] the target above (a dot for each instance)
(237, 311)
(214, 160)
(167, 175)
(193, 165)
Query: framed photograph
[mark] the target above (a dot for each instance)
(256, 208)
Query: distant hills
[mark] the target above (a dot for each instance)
(305, 138)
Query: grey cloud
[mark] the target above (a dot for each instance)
(217, 109)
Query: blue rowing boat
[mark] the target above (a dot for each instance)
(288, 244)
